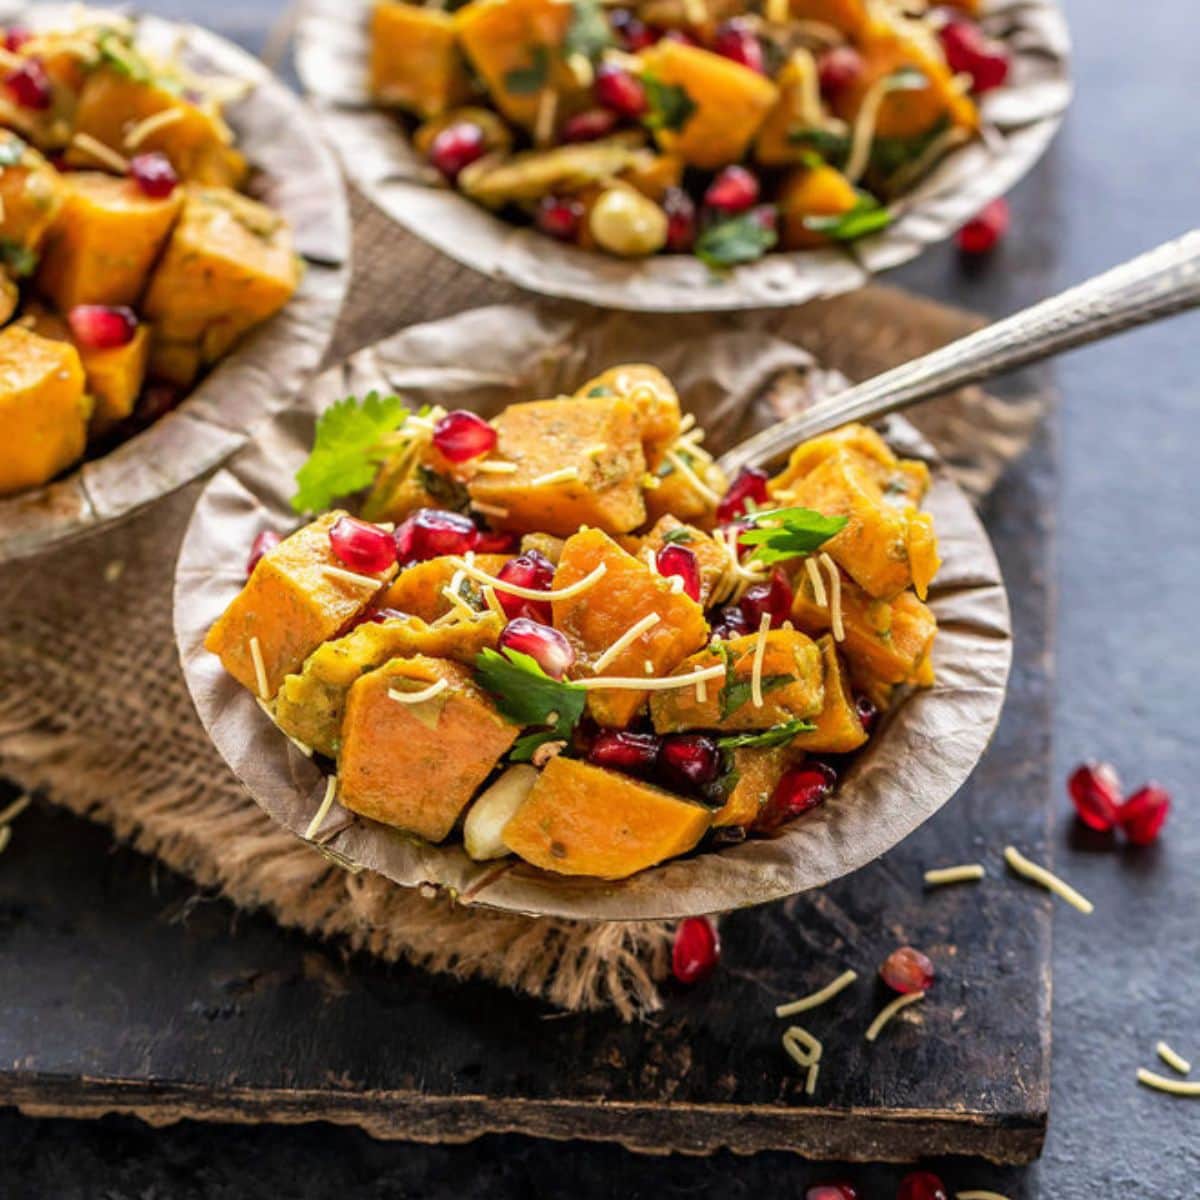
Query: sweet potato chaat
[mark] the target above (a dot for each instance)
(129, 260)
(565, 634)
(722, 128)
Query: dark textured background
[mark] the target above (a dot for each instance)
(1121, 177)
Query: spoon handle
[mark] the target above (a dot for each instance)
(1154, 285)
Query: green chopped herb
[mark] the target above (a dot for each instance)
(830, 146)
(670, 107)
(447, 492)
(889, 154)
(678, 537)
(739, 239)
(777, 735)
(868, 216)
(601, 389)
(12, 150)
(790, 533)
(526, 695)
(20, 260)
(736, 692)
(524, 81)
(588, 33)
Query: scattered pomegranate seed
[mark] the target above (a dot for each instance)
(633, 753)
(689, 761)
(675, 561)
(832, 1191)
(457, 146)
(531, 570)
(15, 37)
(733, 191)
(696, 951)
(1143, 815)
(735, 40)
(589, 125)
(101, 327)
(868, 714)
(546, 646)
(560, 217)
(800, 789)
(30, 85)
(730, 623)
(680, 36)
(921, 1185)
(767, 215)
(495, 543)
(774, 598)
(907, 970)
(154, 174)
(971, 52)
(266, 541)
(620, 90)
(431, 532)
(750, 485)
(838, 69)
(362, 546)
(1095, 790)
(681, 220)
(632, 32)
(981, 234)
(460, 436)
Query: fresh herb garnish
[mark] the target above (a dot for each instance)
(790, 533)
(670, 107)
(740, 239)
(867, 216)
(777, 735)
(20, 260)
(526, 695)
(348, 447)
(12, 150)
(588, 33)
(443, 490)
(736, 692)
(524, 81)
(601, 389)
(829, 145)
(677, 537)
(889, 154)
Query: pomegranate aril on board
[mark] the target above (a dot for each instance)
(907, 970)
(547, 647)
(559, 216)
(733, 191)
(101, 326)
(696, 951)
(681, 220)
(432, 532)
(838, 69)
(984, 231)
(265, 542)
(154, 174)
(460, 436)
(689, 761)
(749, 488)
(618, 89)
(362, 546)
(621, 750)
(30, 85)
(800, 789)
(532, 570)
(969, 51)
(1143, 815)
(678, 562)
(774, 598)
(589, 125)
(1095, 790)
(736, 41)
(457, 146)
(921, 1185)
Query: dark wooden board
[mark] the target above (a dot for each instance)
(136, 994)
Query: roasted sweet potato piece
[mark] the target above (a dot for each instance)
(710, 558)
(903, 481)
(756, 771)
(584, 820)
(777, 144)
(292, 603)
(813, 192)
(176, 363)
(654, 397)
(417, 589)
(43, 409)
(579, 462)
(850, 16)
(415, 62)
(417, 765)
(311, 705)
(674, 493)
(104, 241)
(595, 619)
(838, 727)
(792, 686)
(31, 192)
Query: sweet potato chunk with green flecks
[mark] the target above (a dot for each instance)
(673, 491)
(710, 558)
(417, 765)
(104, 241)
(579, 462)
(903, 481)
(310, 705)
(654, 397)
(415, 60)
(31, 192)
(417, 589)
(838, 726)
(584, 820)
(792, 686)
(291, 603)
(755, 772)
(595, 619)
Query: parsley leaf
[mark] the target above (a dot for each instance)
(601, 389)
(12, 150)
(740, 239)
(793, 532)
(736, 692)
(526, 695)
(346, 449)
(868, 216)
(677, 537)
(777, 735)
(670, 105)
(829, 145)
(19, 259)
(588, 33)
(524, 81)
(446, 491)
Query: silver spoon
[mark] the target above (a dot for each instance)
(1154, 285)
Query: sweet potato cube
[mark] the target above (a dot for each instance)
(710, 558)
(579, 462)
(417, 589)
(730, 103)
(903, 481)
(299, 596)
(756, 770)
(777, 144)
(654, 397)
(584, 820)
(850, 16)
(176, 363)
(43, 408)
(838, 727)
(821, 191)
(417, 765)
(594, 620)
(415, 62)
(793, 678)
(31, 193)
(310, 706)
(675, 493)
(104, 241)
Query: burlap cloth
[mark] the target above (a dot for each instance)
(95, 717)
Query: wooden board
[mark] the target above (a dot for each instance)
(138, 995)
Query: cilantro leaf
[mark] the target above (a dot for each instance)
(867, 216)
(526, 695)
(601, 389)
(677, 537)
(445, 490)
(12, 150)
(347, 449)
(792, 532)
(524, 81)
(19, 259)
(740, 239)
(777, 735)
(829, 145)
(736, 692)
(588, 33)
(670, 107)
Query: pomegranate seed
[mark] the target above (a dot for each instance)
(696, 951)
(461, 435)
(30, 85)
(100, 327)
(457, 146)
(153, 173)
(681, 219)
(750, 485)
(633, 33)
(907, 970)
(680, 562)
(372, 616)
(838, 69)
(15, 37)
(734, 190)
(547, 647)
(560, 217)
(981, 234)
(633, 753)
(362, 546)
(618, 89)
(921, 1185)
(678, 35)
(735, 40)
(774, 598)
(730, 623)
(1095, 790)
(766, 215)
(689, 761)
(431, 532)
(589, 125)
(868, 714)
(1143, 815)
(266, 541)
(531, 570)
(832, 1191)
(971, 52)
(800, 789)
(495, 543)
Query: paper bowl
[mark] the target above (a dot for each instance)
(1020, 119)
(483, 360)
(293, 172)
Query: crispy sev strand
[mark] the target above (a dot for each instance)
(351, 577)
(15, 809)
(260, 668)
(810, 1081)
(626, 639)
(493, 602)
(979, 1194)
(5, 837)
(323, 811)
(1173, 1060)
(819, 997)
(889, 1011)
(706, 493)
(651, 685)
(303, 747)
(497, 466)
(514, 589)
(1047, 879)
(562, 475)
(1173, 1087)
(760, 649)
(100, 152)
(835, 598)
(818, 584)
(436, 688)
(967, 873)
(798, 1053)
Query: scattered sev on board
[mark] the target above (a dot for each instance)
(323, 811)
(967, 873)
(979, 1194)
(819, 997)
(1175, 1061)
(1047, 879)
(1173, 1087)
(889, 1011)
